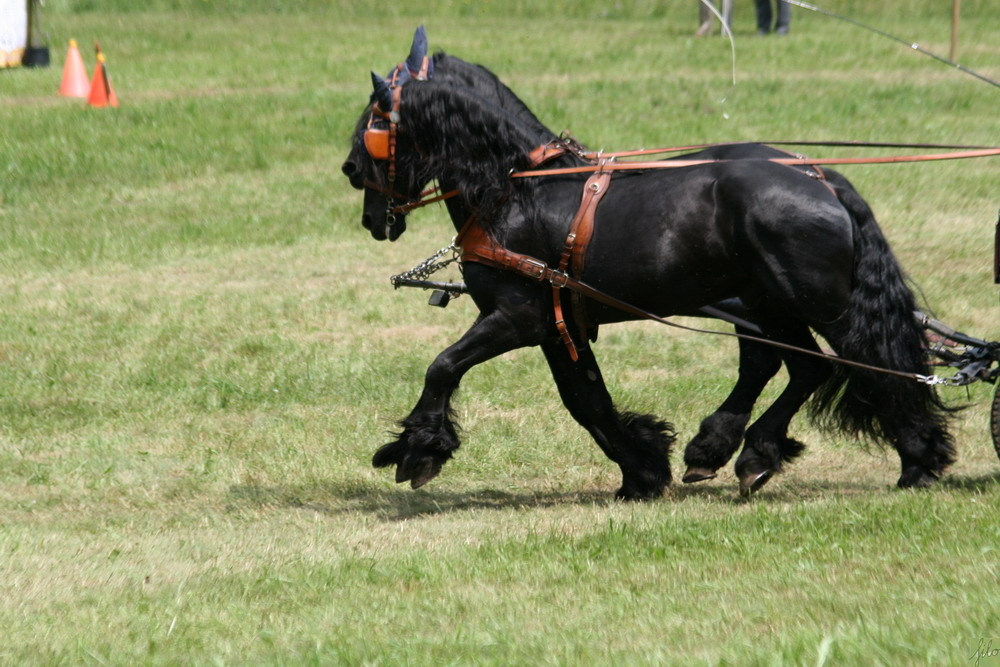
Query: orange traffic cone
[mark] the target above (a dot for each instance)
(75, 82)
(101, 92)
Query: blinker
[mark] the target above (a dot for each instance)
(377, 143)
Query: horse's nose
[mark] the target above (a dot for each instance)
(353, 173)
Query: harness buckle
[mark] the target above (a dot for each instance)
(559, 279)
(531, 268)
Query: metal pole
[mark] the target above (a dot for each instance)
(36, 54)
(956, 8)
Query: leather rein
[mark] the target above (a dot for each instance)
(790, 161)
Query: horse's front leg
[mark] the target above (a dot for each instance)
(639, 444)
(429, 438)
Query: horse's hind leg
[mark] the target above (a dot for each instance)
(639, 444)
(721, 433)
(767, 445)
(429, 437)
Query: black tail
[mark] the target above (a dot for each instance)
(879, 328)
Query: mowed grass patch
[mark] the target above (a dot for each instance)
(200, 350)
(789, 581)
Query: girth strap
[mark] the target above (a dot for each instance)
(478, 246)
(574, 252)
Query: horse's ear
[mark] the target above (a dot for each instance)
(417, 50)
(381, 95)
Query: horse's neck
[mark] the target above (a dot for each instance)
(466, 161)
(485, 83)
(458, 209)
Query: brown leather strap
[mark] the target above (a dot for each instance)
(677, 164)
(847, 144)
(544, 153)
(600, 182)
(478, 246)
(581, 229)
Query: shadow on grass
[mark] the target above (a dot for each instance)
(401, 503)
(977, 483)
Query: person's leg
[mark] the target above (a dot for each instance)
(704, 20)
(763, 16)
(784, 17)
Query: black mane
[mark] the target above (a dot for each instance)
(482, 80)
(467, 142)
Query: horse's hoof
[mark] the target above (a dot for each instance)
(916, 478)
(631, 496)
(694, 474)
(418, 471)
(631, 492)
(752, 482)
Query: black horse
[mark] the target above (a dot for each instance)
(721, 433)
(797, 253)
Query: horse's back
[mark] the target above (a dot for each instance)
(750, 228)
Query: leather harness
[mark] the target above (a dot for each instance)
(477, 245)
(574, 256)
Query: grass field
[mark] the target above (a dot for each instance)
(200, 350)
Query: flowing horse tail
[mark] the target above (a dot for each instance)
(878, 328)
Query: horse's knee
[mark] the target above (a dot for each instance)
(441, 373)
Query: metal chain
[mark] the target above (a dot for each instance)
(427, 267)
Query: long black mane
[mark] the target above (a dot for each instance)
(469, 144)
(488, 86)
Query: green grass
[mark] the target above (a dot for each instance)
(200, 350)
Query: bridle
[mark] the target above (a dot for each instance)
(380, 143)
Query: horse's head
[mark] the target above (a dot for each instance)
(464, 129)
(382, 160)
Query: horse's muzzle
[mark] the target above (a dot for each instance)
(386, 229)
